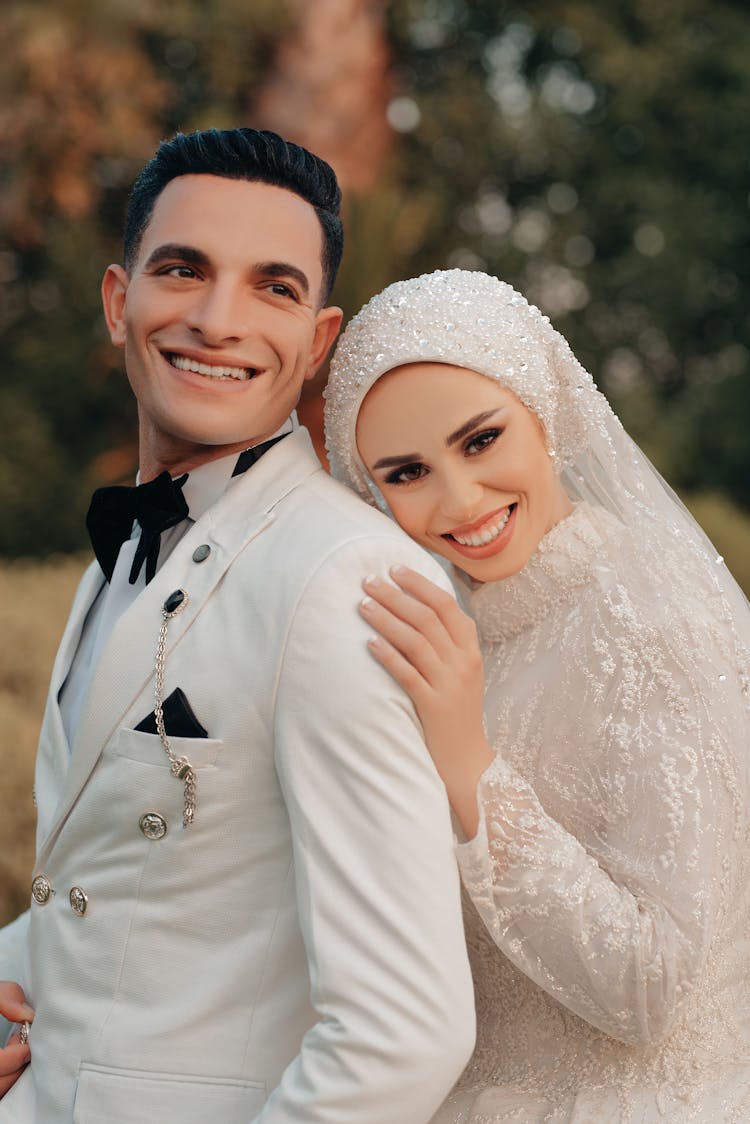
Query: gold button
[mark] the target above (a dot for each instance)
(153, 825)
(78, 901)
(41, 888)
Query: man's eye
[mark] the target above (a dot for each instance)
(482, 440)
(186, 271)
(282, 290)
(407, 474)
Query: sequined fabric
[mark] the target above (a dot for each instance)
(468, 319)
(608, 887)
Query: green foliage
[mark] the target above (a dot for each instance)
(100, 83)
(589, 153)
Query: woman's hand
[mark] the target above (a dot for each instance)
(429, 646)
(16, 1055)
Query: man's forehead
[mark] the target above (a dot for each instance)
(215, 211)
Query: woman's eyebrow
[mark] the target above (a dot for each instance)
(472, 423)
(391, 462)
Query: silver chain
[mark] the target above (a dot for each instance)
(180, 767)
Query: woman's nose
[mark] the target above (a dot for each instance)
(461, 498)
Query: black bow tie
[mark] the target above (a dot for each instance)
(157, 505)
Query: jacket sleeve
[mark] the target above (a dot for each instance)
(375, 870)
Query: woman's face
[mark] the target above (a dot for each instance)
(463, 466)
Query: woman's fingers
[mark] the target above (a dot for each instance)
(400, 668)
(459, 626)
(420, 617)
(408, 641)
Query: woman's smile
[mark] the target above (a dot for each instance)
(492, 531)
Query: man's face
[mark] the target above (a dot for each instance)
(219, 317)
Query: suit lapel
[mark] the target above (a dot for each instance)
(88, 590)
(126, 667)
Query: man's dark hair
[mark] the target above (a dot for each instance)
(241, 154)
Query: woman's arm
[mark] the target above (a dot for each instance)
(429, 646)
(620, 936)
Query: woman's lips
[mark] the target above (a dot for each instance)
(487, 537)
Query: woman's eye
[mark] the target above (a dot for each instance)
(482, 440)
(407, 474)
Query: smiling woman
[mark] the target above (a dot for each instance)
(603, 793)
(483, 493)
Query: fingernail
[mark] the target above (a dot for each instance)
(372, 580)
(398, 571)
(366, 604)
(27, 1012)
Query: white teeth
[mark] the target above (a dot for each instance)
(182, 363)
(481, 538)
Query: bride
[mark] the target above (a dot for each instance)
(602, 799)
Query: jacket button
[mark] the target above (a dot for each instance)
(78, 901)
(153, 825)
(201, 553)
(41, 888)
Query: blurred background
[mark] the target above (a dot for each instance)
(594, 153)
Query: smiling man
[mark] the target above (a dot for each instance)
(245, 902)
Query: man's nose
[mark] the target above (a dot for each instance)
(219, 313)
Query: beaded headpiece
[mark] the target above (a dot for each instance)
(466, 319)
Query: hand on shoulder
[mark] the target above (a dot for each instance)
(430, 647)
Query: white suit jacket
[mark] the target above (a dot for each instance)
(296, 954)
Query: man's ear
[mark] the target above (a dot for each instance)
(114, 288)
(327, 325)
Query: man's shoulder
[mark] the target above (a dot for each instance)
(349, 535)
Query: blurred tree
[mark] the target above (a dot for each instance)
(591, 154)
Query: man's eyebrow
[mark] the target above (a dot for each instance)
(190, 255)
(174, 252)
(467, 427)
(282, 269)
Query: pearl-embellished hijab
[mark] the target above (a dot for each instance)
(472, 320)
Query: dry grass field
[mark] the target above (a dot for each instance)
(34, 602)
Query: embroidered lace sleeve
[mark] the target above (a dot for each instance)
(607, 894)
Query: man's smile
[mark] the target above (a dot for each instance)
(210, 370)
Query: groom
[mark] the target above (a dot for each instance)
(244, 906)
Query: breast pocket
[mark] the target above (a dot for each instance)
(136, 773)
(106, 1095)
(147, 749)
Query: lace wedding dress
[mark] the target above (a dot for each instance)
(608, 886)
(608, 897)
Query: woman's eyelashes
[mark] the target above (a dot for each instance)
(472, 447)
(478, 442)
(406, 473)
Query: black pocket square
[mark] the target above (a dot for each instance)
(179, 719)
